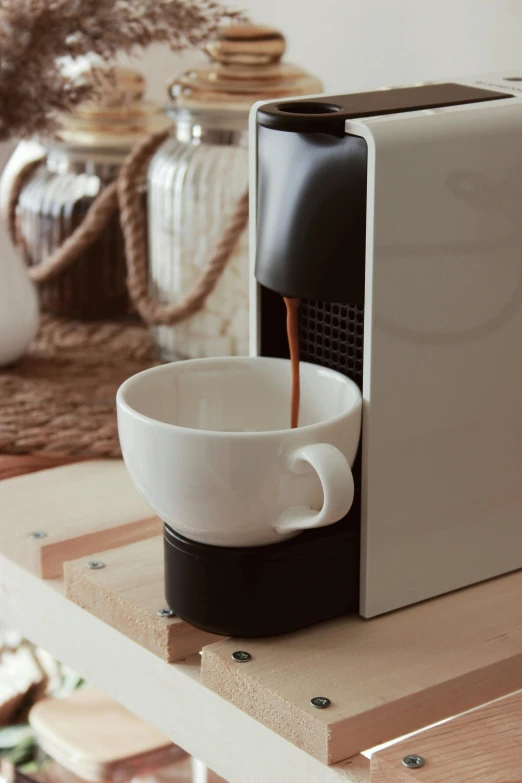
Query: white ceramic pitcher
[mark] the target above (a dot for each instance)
(19, 312)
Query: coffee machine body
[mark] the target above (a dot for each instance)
(396, 217)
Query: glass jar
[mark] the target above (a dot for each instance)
(195, 181)
(78, 165)
(196, 178)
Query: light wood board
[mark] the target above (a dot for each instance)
(91, 735)
(18, 464)
(82, 508)
(483, 746)
(385, 677)
(128, 593)
(168, 696)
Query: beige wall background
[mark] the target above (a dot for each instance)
(359, 44)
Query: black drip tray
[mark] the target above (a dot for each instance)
(269, 590)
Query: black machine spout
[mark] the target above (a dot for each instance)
(311, 212)
(312, 183)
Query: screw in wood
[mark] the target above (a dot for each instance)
(412, 761)
(166, 613)
(321, 702)
(38, 534)
(241, 656)
(94, 565)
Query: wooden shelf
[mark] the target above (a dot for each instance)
(385, 677)
(254, 723)
(169, 696)
(128, 593)
(71, 511)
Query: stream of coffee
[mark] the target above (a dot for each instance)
(292, 330)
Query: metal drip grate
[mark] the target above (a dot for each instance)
(332, 335)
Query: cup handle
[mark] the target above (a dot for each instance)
(336, 477)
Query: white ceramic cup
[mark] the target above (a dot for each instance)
(208, 443)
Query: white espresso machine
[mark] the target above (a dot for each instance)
(396, 217)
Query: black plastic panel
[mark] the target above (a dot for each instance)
(333, 335)
(264, 591)
(311, 215)
(329, 114)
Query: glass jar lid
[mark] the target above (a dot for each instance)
(245, 67)
(117, 116)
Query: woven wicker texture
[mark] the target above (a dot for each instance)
(60, 398)
(126, 194)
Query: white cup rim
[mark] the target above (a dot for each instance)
(122, 403)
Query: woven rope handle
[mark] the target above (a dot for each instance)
(83, 236)
(135, 234)
(17, 185)
(125, 194)
(93, 224)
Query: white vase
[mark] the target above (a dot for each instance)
(25, 152)
(19, 313)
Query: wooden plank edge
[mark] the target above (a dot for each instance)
(171, 639)
(482, 745)
(427, 706)
(330, 742)
(54, 554)
(296, 725)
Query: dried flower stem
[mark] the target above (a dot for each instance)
(35, 34)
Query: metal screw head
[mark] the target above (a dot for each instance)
(241, 656)
(413, 761)
(38, 534)
(321, 702)
(94, 565)
(166, 613)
